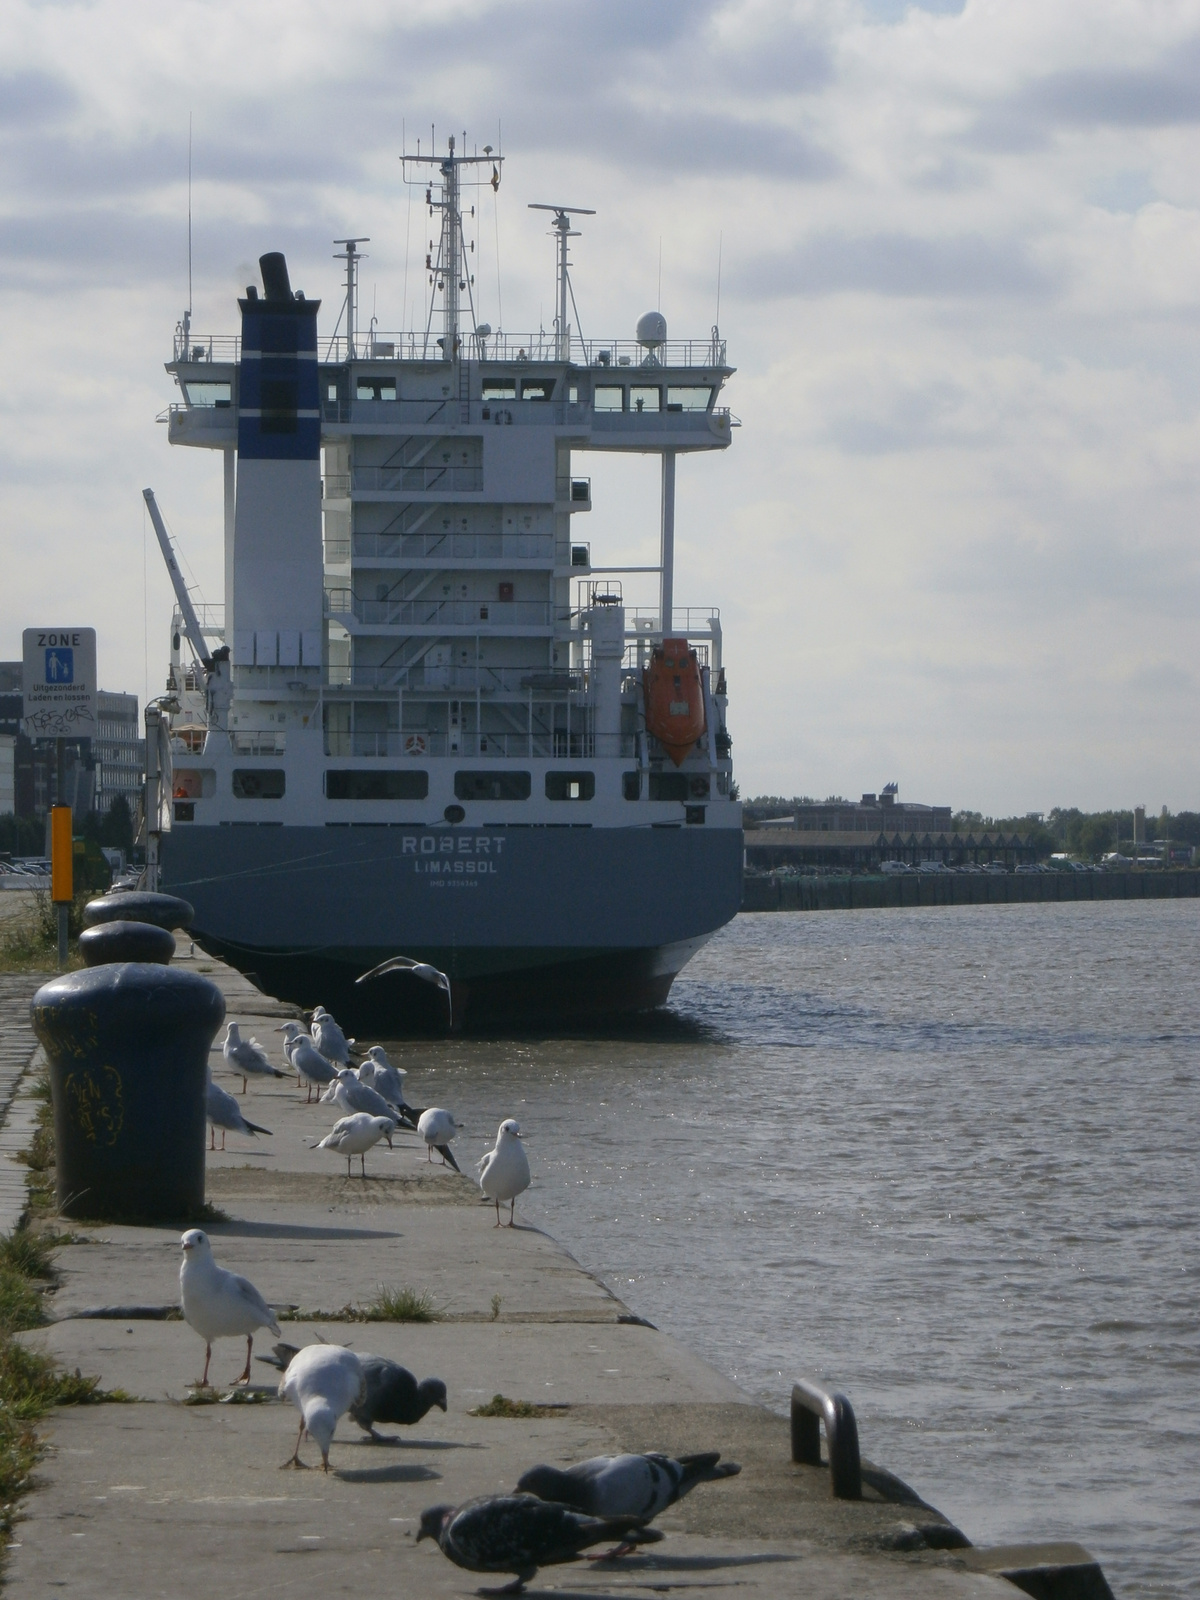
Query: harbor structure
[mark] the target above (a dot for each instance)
(421, 722)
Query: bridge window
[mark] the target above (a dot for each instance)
(541, 390)
(374, 389)
(209, 394)
(499, 389)
(644, 398)
(570, 785)
(689, 399)
(609, 397)
(259, 783)
(351, 783)
(492, 786)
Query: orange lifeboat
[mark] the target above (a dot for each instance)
(674, 697)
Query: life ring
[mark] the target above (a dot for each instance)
(414, 744)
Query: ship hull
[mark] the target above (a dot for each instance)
(554, 925)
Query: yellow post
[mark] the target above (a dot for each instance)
(62, 873)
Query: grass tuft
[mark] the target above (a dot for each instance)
(400, 1305)
(501, 1406)
(29, 941)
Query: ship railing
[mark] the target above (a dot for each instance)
(454, 546)
(537, 683)
(440, 613)
(538, 347)
(414, 743)
(422, 480)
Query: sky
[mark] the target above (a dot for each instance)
(953, 539)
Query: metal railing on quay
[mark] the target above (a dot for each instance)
(810, 1407)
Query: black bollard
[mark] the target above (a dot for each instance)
(125, 941)
(128, 1047)
(139, 905)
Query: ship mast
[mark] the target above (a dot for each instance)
(562, 228)
(351, 255)
(448, 271)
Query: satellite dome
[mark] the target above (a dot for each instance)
(652, 330)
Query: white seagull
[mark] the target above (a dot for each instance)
(222, 1110)
(330, 1040)
(438, 1129)
(348, 1091)
(245, 1056)
(306, 1060)
(219, 1304)
(504, 1171)
(355, 1135)
(322, 1381)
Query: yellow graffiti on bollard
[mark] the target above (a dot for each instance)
(96, 1107)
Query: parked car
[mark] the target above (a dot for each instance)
(933, 866)
(894, 866)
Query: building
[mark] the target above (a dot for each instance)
(118, 752)
(883, 813)
(95, 771)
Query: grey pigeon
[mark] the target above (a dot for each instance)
(638, 1487)
(223, 1111)
(516, 1533)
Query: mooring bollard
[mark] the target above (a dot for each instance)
(128, 1047)
(139, 905)
(125, 941)
(811, 1406)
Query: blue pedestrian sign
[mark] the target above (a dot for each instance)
(60, 665)
(58, 683)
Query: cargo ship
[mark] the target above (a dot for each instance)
(425, 721)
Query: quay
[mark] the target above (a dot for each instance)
(162, 1496)
(781, 890)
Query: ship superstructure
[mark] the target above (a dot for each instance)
(426, 732)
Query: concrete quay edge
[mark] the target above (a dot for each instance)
(165, 1497)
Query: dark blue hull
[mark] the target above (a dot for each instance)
(532, 924)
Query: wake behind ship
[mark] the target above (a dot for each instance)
(425, 722)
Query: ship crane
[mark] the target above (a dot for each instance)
(191, 622)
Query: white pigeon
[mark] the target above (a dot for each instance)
(439, 1130)
(355, 1135)
(357, 1096)
(504, 1171)
(222, 1110)
(245, 1056)
(322, 1381)
(329, 1038)
(219, 1304)
(385, 1078)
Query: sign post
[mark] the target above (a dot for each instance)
(62, 874)
(58, 688)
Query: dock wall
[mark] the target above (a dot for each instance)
(876, 890)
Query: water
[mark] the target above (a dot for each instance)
(945, 1160)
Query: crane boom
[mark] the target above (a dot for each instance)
(191, 622)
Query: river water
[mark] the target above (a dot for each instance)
(945, 1160)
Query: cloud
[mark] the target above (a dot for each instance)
(899, 265)
(32, 99)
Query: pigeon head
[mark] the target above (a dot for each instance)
(433, 1521)
(431, 1392)
(547, 1483)
(195, 1243)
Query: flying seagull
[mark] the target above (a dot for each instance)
(419, 969)
(516, 1533)
(219, 1304)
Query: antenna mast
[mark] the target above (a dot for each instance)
(449, 270)
(562, 228)
(351, 255)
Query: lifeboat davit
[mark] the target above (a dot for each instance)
(674, 695)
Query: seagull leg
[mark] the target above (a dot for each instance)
(222, 1138)
(245, 1377)
(294, 1460)
(243, 1083)
(212, 1136)
(512, 1211)
(348, 1159)
(497, 1213)
(207, 1358)
(363, 1163)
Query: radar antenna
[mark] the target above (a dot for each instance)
(562, 228)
